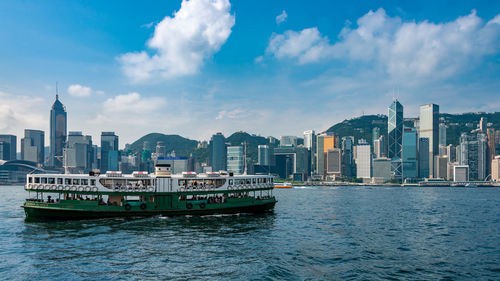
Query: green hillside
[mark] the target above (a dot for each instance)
(182, 146)
(252, 142)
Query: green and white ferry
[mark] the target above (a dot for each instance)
(113, 194)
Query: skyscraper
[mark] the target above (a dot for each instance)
(58, 129)
(217, 152)
(8, 147)
(363, 160)
(410, 165)
(310, 143)
(263, 155)
(375, 135)
(348, 156)
(442, 134)
(473, 152)
(423, 158)
(33, 146)
(324, 143)
(491, 148)
(79, 153)
(235, 159)
(395, 132)
(429, 128)
(288, 141)
(109, 152)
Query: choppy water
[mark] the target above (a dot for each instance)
(319, 233)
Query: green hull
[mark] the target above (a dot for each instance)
(60, 211)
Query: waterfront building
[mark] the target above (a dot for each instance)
(473, 152)
(58, 133)
(410, 164)
(451, 153)
(348, 157)
(324, 143)
(288, 141)
(217, 152)
(235, 160)
(33, 146)
(379, 147)
(263, 155)
(423, 158)
(78, 153)
(440, 167)
(334, 162)
(442, 134)
(375, 135)
(8, 147)
(490, 133)
(178, 165)
(395, 132)
(460, 173)
(310, 143)
(382, 169)
(363, 160)
(495, 169)
(429, 128)
(109, 152)
(290, 161)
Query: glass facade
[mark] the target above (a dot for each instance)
(217, 152)
(109, 152)
(58, 133)
(395, 132)
(429, 128)
(33, 146)
(423, 158)
(410, 167)
(235, 160)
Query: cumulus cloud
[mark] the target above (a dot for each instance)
(18, 112)
(77, 90)
(183, 42)
(281, 17)
(403, 49)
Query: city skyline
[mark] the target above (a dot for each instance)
(248, 75)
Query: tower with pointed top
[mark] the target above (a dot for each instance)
(395, 143)
(58, 132)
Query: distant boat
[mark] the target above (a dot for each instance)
(470, 185)
(282, 185)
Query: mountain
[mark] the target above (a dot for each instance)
(182, 146)
(252, 142)
(361, 127)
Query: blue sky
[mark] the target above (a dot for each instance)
(266, 67)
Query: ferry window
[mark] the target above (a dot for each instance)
(44, 180)
(253, 181)
(85, 181)
(30, 179)
(52, 181)
(59, 180)
(92, 182)
(76, 181)
(230, 182)
(37, 180)
(67, 181)
(272, 179)
(248, 181)
(265, 180)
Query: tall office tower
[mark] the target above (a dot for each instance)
(442, 134)
(429, 128)
(482, 125)
(33, 146)
(324, 143)
(109, 152)
(217, 152)
(288, 141)
(363, 160)
(78, 153)
(495, 169)
(375, 134)
(235, 160)
(395, 132)
(473, 152)
(58, 129)
(263, 155)
(161, 149)
(410, 165)
(334, 162)
(491, 148)
(451, 153)
(441, 167)
(8, 147)
(379, 147)
(310, 143)
(423, 158)
(348, 156)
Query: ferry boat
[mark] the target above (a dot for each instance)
(113, 194)
(283, 185)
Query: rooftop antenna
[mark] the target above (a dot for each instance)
(57, 92)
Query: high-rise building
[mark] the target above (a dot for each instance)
(263, 155)
(334, 162)
(423, 158)
(363, 160)
(482, 125)
(310, 143)
(290, 160)
(58, 133)
(473, 152)
(217, 152)
(109, 152)
(395, 132)
(8, 147)
(495, 169)
(490, 133)
(441, 167)
(375, 135)
(442, 134)
(33, 146)
(235, 160)
(288, 141)
(382, 168)
(460, 173)
(429, 128)
(451, 153)
(379, 147)
(78, 153)
(161, 149)
(348, 156)
(410, 164)
(324, 143)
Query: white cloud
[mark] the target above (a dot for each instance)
(182, 42)
(281, 17)
(403, 49)
(79, 91)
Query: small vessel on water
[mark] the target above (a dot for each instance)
(282, 185)
(82, 196)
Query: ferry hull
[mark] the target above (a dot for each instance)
(44, 213)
